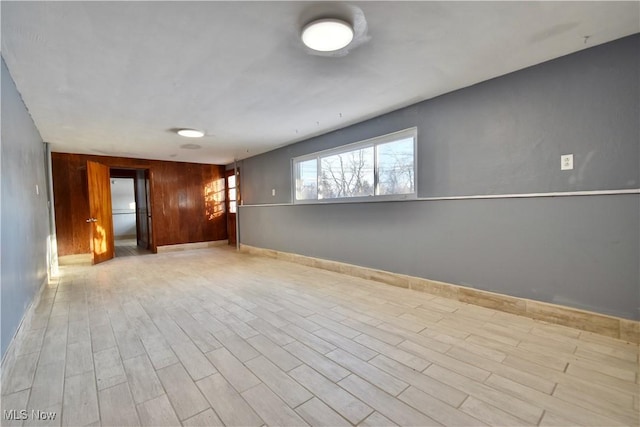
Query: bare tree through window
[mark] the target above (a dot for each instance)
(395, 167)
(347, 174)
(307, 180)
(384, 166)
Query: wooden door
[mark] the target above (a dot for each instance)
(99, 184)
(232, 199)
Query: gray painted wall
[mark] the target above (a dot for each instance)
(24, 214)
(503, 136)
(575, 251)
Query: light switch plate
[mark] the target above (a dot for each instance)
(566, 162)
(273, 191)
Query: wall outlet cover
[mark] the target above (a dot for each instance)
(566, 162)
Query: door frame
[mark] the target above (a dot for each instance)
(232, 217)
(147, 193)
(132, 172)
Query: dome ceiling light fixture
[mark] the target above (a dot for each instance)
(190, 133)
(327, 35)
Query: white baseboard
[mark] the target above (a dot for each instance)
(190, 246)
(602, 324)
(77, 259)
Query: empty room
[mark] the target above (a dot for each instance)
(229, 213)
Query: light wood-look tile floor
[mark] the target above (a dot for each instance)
(128, 247)
(213, 337)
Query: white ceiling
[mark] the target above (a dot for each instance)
(116, 78)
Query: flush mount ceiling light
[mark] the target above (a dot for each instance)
(190, 133)
(327, 35)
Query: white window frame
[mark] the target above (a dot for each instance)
(371, 142)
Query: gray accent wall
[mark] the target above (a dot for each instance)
(24, 215)
(503, 136)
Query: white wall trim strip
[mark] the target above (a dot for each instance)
(472, 197)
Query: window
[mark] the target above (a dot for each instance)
(307, 180)
(378, 168)
(231, 185)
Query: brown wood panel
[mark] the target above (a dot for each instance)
(71, 204)
(123, 173)
(185, 208)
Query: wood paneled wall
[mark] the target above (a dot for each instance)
(187, 200)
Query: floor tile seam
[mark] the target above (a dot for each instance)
(239, 394)
(545, 405)
(335, 383)
(381, 391)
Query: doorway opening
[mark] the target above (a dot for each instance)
(131, 212)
